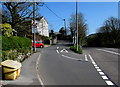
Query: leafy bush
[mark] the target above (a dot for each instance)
(74, 48)
(46, 40)
(12, 47)
(10, 43)
(6, 29)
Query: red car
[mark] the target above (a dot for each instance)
(37, 44)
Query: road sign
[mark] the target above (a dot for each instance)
(34, 29)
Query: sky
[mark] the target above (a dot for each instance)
(60, 0)
(95, 13)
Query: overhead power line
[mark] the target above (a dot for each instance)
(53, 12)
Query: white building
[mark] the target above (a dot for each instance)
(42, 26)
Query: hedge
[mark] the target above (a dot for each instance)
(11, 43)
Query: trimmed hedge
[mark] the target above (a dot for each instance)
(11, 43)
(74, 48)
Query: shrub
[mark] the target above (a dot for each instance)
(6, 29)
(46, 40)
(74, 48)
(11, 43)
(13, 46)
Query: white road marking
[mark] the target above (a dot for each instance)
(64, 50)
(104, 77)
(57, 47)
(57, 51)
(94, 63)
(71, 57)
(97, 67)
(92, 60)
(86, 58)
(109, 51)
(37, 62)
(99, 70)
(101, 73)
(109, 83)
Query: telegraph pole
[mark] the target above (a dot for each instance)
(34, 25)
(77, 22)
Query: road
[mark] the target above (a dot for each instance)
(57, 65)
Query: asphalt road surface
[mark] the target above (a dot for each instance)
(57, 65)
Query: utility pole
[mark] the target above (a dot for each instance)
(34, 25)
(77, 22)
(65, 27)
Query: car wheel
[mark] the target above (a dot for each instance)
(41, 46)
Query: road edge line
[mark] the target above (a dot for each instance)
(109, 51)
(37, 62)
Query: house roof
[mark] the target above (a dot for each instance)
(29, 21)
(41, 18)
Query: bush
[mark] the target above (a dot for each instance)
(12, 47)
(46, 40)
(74, 48)
(11, 43)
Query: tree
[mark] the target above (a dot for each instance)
(16, 13)
(6, 29)
(82, 27)
(62, 32)
(111, 31)
(52, 35)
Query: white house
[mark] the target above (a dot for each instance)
(42, 26)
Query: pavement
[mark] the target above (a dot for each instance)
(28, 76)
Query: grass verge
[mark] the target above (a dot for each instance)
(74, 48)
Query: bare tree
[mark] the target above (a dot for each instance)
(82, 27)
(16, 13)
(111, 30)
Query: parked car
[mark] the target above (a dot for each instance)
(37, 44)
